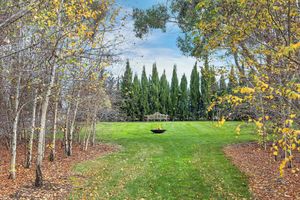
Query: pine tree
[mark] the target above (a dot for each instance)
(174, 94)
(164, 93)
(205, 87)
(154, 90)
(222, 85)
(144, 107)
(183, 101)
(213, 91)
(195, 93)
(126, 91)
(232, 83)
(209, 87)
(136, 100)
(214, 87)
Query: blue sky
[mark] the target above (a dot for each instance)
(156, 47)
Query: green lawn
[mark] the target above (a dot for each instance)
(186, 162)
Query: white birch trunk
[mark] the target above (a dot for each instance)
(73, 125)
(30, 142)
(45, 103)
(14, 134)
(66, 132)
(52, 154)
(94, 127)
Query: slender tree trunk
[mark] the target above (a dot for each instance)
(39, 176)
(87, 140)
(44, 142)
(73, 125)
(87, 135)
(30, 142)
(94, 127)
(66, 132)
(52, 153)
(14, 135)
(78, 135)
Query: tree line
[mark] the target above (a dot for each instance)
(263, 42)
(179, 99)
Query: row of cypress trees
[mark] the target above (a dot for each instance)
(179, 100)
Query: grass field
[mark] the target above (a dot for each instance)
(186, 162)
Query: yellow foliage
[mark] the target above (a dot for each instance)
(247, 90)
(292, 116)
(238, 129)
(258, 124)
(221, 122)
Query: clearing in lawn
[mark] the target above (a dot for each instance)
(186, 162)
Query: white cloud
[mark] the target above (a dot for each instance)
(144, 52)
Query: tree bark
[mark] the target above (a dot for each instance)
(94, 127)
(66, 132)
(52, 153)
(30, 142)
(73, 126)
(12, 174)
(39, 176)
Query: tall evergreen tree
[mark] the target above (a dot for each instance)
(183, 101)
(136, 98)
(205, 87)
(164, 93)
(232, 83)
(209, 87)
(154, 91)
(144, 107)
(213, 90)
(174, 94)
(214, 87)
(126, 91)
(222, 85)
(195, 93)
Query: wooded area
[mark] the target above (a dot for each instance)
(52, 60)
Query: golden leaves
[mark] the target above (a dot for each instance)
(246, 90)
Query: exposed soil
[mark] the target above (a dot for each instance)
(56, 174)
(263, 171)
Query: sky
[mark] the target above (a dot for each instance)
(157, 47)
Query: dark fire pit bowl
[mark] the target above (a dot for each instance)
(158, 131)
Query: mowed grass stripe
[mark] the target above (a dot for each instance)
(187, 162)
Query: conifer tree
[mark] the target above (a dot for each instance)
(205, 87)
(144, 107)
(126, 91)
(222, 85)
(183, 101)
(214, 87)
(232, 83)
(209, 87)
(174, 94)
(212, 91)
(164, 94)
(195, 93)
(154, 90)
(136, 98)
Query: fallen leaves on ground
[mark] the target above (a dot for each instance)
(263, 171)
(56, 174)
